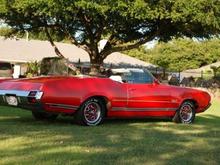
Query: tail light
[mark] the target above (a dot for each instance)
(33, 96)
(32, 100)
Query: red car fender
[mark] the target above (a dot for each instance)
(200, 98)
(95, 94)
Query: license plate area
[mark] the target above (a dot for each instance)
(11, 100)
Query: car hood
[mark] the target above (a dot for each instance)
(177, 88)
(190, 93)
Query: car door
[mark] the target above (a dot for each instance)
(146, 97)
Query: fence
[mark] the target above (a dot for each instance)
(187, 78)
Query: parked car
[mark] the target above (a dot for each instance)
(135, 93)
(6, 70)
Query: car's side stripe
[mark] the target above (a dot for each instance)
(64, 106)
(142, 109)
(144, 101)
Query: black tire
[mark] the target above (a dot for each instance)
(185, 114)
(43, 116)
(91, 113)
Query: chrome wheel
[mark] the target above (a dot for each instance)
(186, 113)
(92, 112)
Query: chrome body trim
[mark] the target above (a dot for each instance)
(14, 92)
(64, 106)
(142, 109)
(39, 95)
(22, 96)
(142, 101)
(21, 93)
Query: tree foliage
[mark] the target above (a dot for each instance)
(180, 54)
(126, 24)
(38, 35)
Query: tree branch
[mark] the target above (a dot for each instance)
(100, 29)
(57, 51)
(105, 52)
(75, 42)
(112, 40)
(86, 21)
(70, 36)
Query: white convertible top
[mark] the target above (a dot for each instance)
(127, 70)
(116, 78)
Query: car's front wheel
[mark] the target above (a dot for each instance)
(185, 114)
(91, 112)
(43, 115)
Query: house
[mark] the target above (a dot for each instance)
(21, 51)
(205, 71)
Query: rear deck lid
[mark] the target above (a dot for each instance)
(19, 85)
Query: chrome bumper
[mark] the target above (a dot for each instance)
(24, 98)
(19, 93)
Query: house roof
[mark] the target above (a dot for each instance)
(198, 72)
(21, 50)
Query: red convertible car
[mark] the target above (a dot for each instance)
(128, 93)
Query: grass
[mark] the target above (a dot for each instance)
(26, 141)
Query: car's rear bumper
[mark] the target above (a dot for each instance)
(25, 99)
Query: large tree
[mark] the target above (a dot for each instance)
(126, 24)
(180, 54)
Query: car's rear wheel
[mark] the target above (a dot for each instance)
(91, 112)
(185, 114)
(43, 116)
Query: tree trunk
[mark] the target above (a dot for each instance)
(57, 51)
(96, 61)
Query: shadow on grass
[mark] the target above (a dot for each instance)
(117, 141)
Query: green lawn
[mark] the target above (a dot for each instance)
(26, 141)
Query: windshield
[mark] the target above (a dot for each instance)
(135, 76)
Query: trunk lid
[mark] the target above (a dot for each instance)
(16, 85)
(28, 84)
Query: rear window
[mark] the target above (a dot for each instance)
(5, 66)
